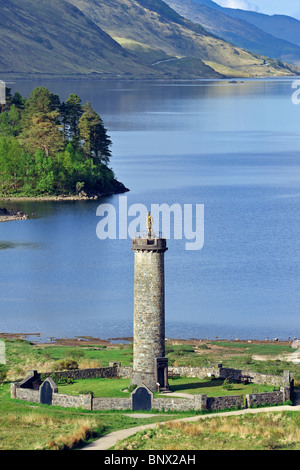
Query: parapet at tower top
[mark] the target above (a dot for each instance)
(149, 241)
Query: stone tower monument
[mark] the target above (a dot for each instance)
(150, 367)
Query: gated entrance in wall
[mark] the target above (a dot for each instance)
(46, 391)
(141, 399)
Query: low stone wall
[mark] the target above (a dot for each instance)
(93, 373)
(110, 403)
(31, 387)
(178, 404)
(125, 372)
(25, 394)
(224, 403)
(58, 399)
(71, 401)
(198, 403)
(256, 377)
(268, 398)
(77, 374)
(200, 372)
(219, 371)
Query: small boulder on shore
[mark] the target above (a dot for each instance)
(6, 215)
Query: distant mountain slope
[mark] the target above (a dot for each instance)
(233, 26)
(154, 26)
(53, 36)
(280, 26)
(117, 38)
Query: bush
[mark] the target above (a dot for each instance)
(63, 381)
(74, 353)
(227, 385)
(249, 359)
(66, 364)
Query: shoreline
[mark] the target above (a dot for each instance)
(51, 198)
(109, 77)
(10, 215)
(89, 340)
(7, 216)
(61, 197)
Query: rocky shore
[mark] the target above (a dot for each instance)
(116, 188)
(6, 215)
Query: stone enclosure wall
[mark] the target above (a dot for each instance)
(218, 371)
(41, 388)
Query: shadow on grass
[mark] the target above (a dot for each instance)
(188, 386)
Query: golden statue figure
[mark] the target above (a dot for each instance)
(149, 224)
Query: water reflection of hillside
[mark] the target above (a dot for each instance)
(118, 101)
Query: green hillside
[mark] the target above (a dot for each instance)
(276, 36)
(116, 39)
(54, 37)
(153, 26)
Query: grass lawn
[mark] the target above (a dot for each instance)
(102, 354)
(113, 387)
(99, 387)
(214, 388)
(257, 348)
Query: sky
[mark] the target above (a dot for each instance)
(270, 7)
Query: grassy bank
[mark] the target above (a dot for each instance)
(267, 431)
(33, 426)
(27, 426)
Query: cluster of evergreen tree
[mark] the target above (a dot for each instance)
(49, 147)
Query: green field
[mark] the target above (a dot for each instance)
(23, 356)
(33, 426)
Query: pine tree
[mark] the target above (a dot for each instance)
(43, 134)
(93, 134)
(40, 124)
(71, 111)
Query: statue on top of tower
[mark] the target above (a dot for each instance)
(149, 224)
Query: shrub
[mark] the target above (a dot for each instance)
(74, 353)
(249, 359)
(66, 364)
(63, 381)
(227, 385)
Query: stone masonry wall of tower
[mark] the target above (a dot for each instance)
(149, 310)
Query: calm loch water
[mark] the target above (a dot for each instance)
(234, 148)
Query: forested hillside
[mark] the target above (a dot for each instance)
(49, 148)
